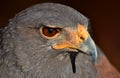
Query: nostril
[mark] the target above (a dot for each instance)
(82, 38)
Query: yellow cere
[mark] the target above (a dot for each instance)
(76, 38)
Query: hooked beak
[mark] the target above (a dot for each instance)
(89, 48)
(79, 40)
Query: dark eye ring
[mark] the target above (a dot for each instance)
(49, 32)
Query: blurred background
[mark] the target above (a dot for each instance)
(103, 14)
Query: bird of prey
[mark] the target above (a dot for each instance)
(51, 40)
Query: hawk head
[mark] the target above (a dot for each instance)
(48, 40)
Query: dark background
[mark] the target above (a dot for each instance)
(104, 16)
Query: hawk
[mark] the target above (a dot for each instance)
(51, 40)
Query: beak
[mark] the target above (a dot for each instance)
(89, 47)
(79, 40)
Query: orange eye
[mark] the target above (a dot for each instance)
(49, 32)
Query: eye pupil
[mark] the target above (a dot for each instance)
(50, 30)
